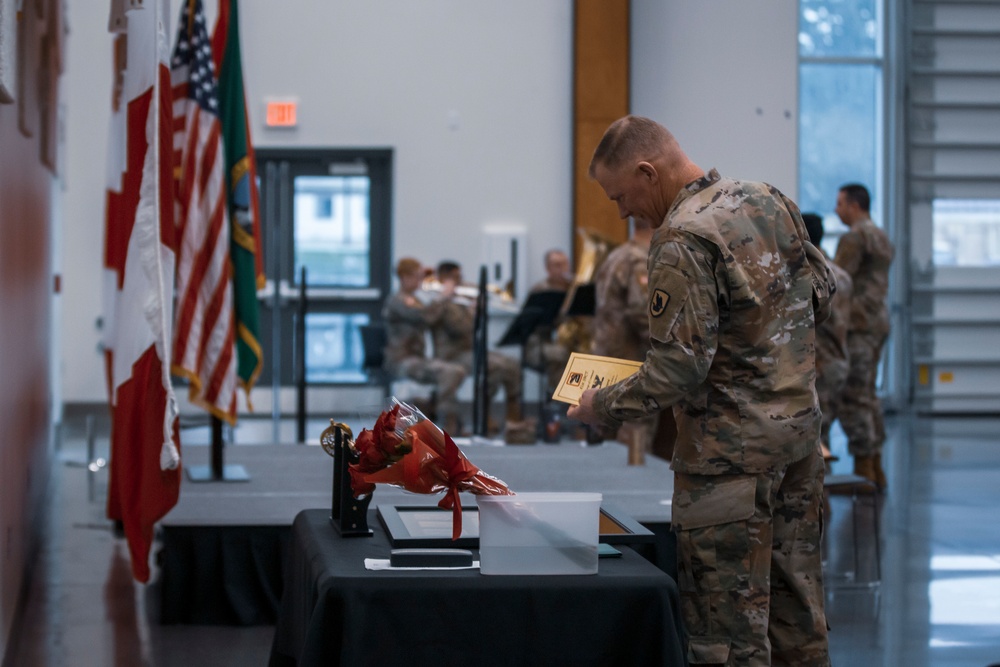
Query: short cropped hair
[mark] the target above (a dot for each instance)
(554, 251)
(447, 267)
(814, 225)
(628, 139)
(858, 194)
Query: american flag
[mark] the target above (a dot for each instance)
(204, 331)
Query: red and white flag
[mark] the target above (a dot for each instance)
(204, 331)
(139, 260)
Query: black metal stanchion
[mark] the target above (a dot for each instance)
(480, 395)
(300, 361)
(217, 471)
(513, 269)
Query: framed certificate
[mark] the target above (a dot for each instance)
(429, 526)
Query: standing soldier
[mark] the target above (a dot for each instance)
(832, 360)
(621, 323)
(407, 319)
(865, 253)
(734, 294)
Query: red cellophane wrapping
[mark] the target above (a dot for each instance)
(407, 450)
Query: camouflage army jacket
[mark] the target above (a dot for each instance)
(732, 295)
(453, 330)
(621, 325)
(865, 252)
(831, 335)
(406, 321)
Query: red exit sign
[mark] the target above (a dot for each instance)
(282, 113)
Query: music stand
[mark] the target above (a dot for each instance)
(581, 300)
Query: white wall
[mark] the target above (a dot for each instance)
(86, 94)
(722, 75)
(399, 74)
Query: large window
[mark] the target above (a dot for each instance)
(333, 229)
(966, 232)
(840, 106)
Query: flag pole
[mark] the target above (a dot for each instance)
(217, 470)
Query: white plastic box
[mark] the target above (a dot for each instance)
(539, 533)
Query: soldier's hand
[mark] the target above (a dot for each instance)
(585, 411)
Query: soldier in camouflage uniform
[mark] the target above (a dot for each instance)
(406, 320)
(865, 253)
(453, 341)
(832, 361)
(735, 292)
(621, 325)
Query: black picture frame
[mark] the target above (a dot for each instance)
(429, 526)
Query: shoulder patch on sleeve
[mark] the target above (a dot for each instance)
(668, 292)
(658, 302)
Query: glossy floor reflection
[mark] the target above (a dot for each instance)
(939, 600)
(937, 605)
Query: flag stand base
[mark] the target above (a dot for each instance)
(230, 473)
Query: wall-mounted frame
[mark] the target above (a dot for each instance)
(8, 41)
(428, 526)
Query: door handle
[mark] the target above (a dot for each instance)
(282, 292)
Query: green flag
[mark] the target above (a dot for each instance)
(244, 207)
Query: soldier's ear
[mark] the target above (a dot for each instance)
(648, 171)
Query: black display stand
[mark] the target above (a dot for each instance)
(349, 515)
(217, 471)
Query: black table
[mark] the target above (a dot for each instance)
(335, 612)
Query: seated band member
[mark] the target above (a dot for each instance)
(407, 320)
(453, 338)
(542, 352)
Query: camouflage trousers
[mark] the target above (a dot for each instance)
(501, 371)
(446, 377)
(749, 566)
(831, 378)
(860, 410)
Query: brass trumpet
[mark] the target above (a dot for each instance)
(465, 293)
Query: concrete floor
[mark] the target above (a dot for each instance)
(938, 603)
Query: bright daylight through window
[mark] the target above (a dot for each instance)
(840, 108)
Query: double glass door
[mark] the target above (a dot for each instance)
(326, 214)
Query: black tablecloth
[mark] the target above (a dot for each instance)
(335, 612)
(222, 575)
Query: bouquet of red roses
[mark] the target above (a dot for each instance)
(407, 450)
